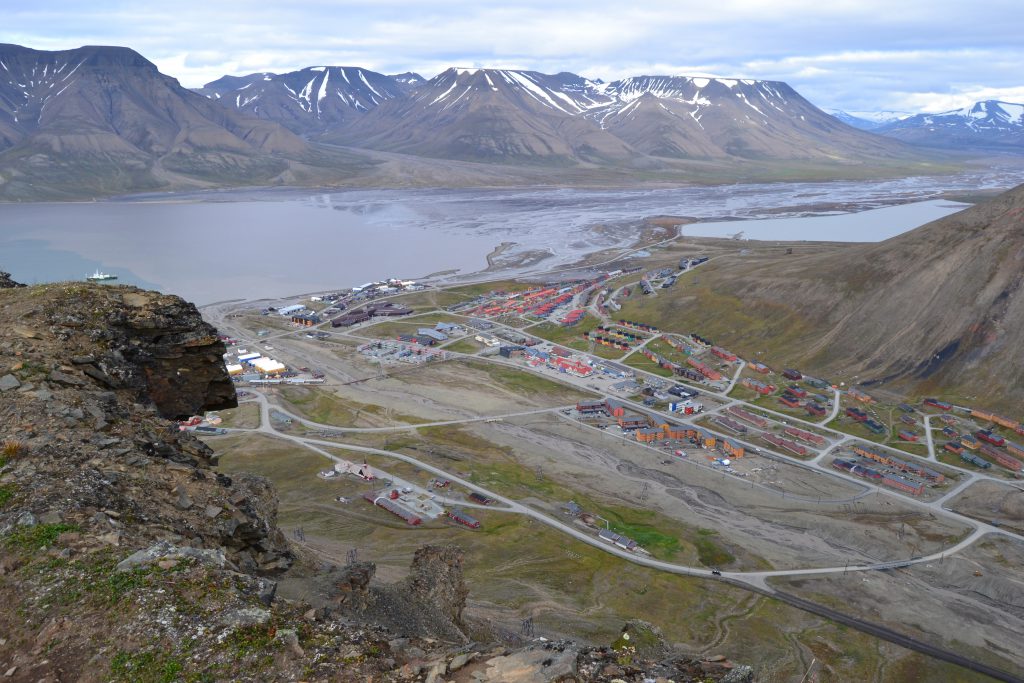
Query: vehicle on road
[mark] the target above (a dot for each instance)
(716, 572)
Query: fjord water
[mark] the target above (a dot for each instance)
(269, 243)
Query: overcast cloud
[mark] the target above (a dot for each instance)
(858, 55)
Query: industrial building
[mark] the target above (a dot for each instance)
(390, 503)
(460, 516)
(401, 351)
(351, 318)
(432, 334)
(619, 540)
(268, 366)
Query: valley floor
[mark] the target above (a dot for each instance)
(907, 566)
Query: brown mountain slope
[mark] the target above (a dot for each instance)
(492, 116)
(677, 116)
(102, 119)
(937, 309)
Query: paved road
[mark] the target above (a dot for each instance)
(835, 407)
(754, 579)
(928, 437)
(735, 378)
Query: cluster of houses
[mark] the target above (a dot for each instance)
(647, 430)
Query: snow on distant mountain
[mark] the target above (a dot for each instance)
(869, 120)
(703, 117)
(500, 114)
(989, 125)
(312, 99)
(495, 115)
(408, 78)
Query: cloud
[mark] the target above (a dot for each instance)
(853, 54)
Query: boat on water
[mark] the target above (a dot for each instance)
(100, 276)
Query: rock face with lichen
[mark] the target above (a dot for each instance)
(429, 602)
(153, 345)
(124, 555)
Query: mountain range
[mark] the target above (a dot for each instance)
(869, 120)
(313, 99)
(96, 120)
(993, 125)
(510, 116)
(105, 120)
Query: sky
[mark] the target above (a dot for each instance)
(855, 55)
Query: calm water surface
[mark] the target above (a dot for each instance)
(269, 243)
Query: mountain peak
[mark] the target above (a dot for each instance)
(311, 99)
(988, 124)
(88, 55)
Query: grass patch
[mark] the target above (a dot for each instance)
(6, 495)
(249, 640)
(12, 448)
(709, 553)
(465, 345)
(526, 382)
(639, 525)
(145, 667)
(245, 416)
(38, 536)
(564, 335)
(848, 426)
(644, 363)
(325, 407)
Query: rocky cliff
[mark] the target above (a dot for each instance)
(124, 555)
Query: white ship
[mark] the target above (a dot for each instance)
(99, 276)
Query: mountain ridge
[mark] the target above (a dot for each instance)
(987, 124)
(515, 116)
(311, 99)
(936, 310)
(107, 119)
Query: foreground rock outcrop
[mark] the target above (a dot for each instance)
(125, 556)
